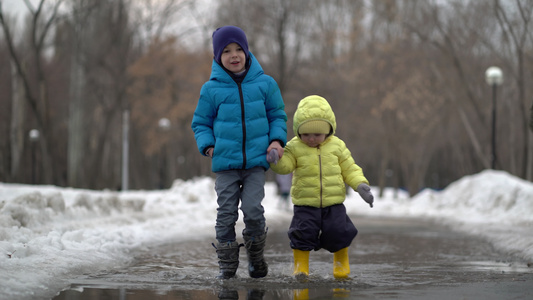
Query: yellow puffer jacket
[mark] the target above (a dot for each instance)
(319, 173)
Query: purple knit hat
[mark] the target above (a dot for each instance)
(226, 35)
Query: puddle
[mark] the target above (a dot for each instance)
(410, 260)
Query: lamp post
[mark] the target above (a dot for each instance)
(164, 126)
(34, 137)
(494, 77)
(125, 148)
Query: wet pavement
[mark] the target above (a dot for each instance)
(391, 258)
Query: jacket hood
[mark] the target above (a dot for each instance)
(313, 108)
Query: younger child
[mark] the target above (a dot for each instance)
(321, 164)
(239, 117)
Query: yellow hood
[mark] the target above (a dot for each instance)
(313, 108)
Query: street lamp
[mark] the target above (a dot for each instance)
(164, 125)
(34, 137)
(125, 148)
(494, 77)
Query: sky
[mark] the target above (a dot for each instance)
(48, 232)
(189, 23)
(17, 7)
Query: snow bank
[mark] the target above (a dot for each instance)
(53, 233)
(492, 204)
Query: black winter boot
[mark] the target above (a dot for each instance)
(257, 267)
(228, 259)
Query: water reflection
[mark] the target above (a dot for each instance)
(303, 294)
(223, 293)
(341, 293)
(230, 294)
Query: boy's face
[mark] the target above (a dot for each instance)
(233, 58)
(313, 139)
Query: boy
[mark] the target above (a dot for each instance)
(321, 164)
(239, 117)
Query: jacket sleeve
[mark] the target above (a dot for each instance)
(277, 118)
(351, 172)
(202, 121)
(287, 163)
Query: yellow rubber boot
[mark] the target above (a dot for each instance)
(301, 264)
(341, 264)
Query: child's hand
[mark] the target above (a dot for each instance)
(209, 152)
(364, 191)
(274, 156)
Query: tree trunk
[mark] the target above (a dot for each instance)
(16, 133)
(76, 128)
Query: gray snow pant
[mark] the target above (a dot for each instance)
(247, 187)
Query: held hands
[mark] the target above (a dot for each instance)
(274, 152)
(364, 191)
(272, 156)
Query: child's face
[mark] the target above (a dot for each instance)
(233, 58)
(313, 139)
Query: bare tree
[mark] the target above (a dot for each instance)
(37, 99)
(446, 36)
(405, 79)
(17, 129)
(102, 43)
(519, 43)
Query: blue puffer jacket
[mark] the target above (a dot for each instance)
(239, 119)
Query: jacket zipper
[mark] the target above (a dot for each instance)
(320, 172)
(243, 127)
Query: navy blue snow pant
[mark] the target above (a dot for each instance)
(314, 228)
(246, 187)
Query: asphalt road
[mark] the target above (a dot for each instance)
(389, 259)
